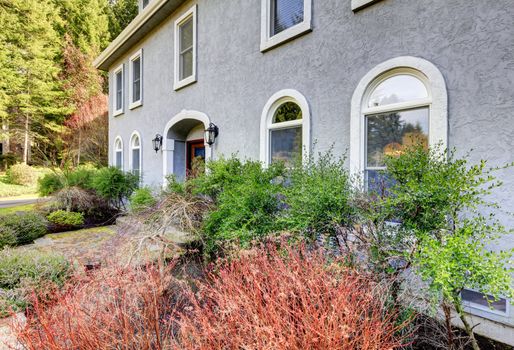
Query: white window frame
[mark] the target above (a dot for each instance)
(268, 113)
(178, 83)
(138, 135)
(119, 69)
(472, 308)
(134, 104)
(269, 41)
(360, 4)
(437, 102)
(118, 150)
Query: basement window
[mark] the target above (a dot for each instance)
(480, 301)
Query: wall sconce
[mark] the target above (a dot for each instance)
(157, 143)
(211, 133)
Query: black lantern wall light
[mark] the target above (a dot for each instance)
(157, 143)
(211, 133)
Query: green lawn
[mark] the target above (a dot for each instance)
(12, 210)
(10, 190)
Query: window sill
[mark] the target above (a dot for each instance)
(134, 105)
(184, 82)
(360, 4)
(285, 36)
(117, 113)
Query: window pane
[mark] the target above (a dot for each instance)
(119, 157)
(286, 145)
(186, 35)
(119, 90)
(390, 133)
(145, 3)
(477, 298)
(135, 161)
(285, 14)
(135, 142)
(399, 88)
(136, 88)
(287, 112)
(186, 64)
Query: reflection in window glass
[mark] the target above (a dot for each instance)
(136, 162)
(119, 90)
(390, 133)
(285, 14)
(481, 300)
(287, 112)
(186, 49)
(286, 145)
(136, 85)
(399, 88)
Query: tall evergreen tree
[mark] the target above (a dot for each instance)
(121, 13)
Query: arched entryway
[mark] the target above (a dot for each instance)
(183, 141)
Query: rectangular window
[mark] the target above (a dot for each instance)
(286, 145)
(119, 159)
(388, 134)
(283, 20)
(136, 79)
(118, 91)
(136, 162)
(477, 300)
(185, 49)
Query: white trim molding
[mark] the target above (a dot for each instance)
(437, 103)
(275, 101)
(134, 134)
(115, 110)
(360, 4)
(134, 104)
(116, 150)
(180, 83)
(269, 41)
(168, 147)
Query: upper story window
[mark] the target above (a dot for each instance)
(136, 79)
(185, 49)
(400, 103)
(282, 20)
(118, 153)
(285, 128)
(118, 91)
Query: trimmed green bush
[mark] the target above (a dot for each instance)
(50, 183)
(27, 226)
(142, 199)
(23, 271)
(81, 177)
(114, 185)
(22, 174)
(318, 196)
(248, 202)
(66, 218)
(7, 237)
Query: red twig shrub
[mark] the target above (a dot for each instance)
(289, 299)
(270, 298)
(113, 308)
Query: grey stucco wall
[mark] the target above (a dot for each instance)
(470, 41)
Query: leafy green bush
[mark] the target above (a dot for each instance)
(7, 237)
(81, 177)
(23, 271)
(27, 226)
(22, 174)
(114, 185)
(248, 202)
(66, 218)
(50, 183)
(319, 196)
(142, 199)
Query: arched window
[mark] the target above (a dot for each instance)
(401, 103)
(285, 128)
(118, 153)
(135, 154)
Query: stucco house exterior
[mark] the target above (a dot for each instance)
(274, 78)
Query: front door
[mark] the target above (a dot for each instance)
(195, 156)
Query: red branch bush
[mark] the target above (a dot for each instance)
(113, 308)
(289, 299)
(270, 298)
